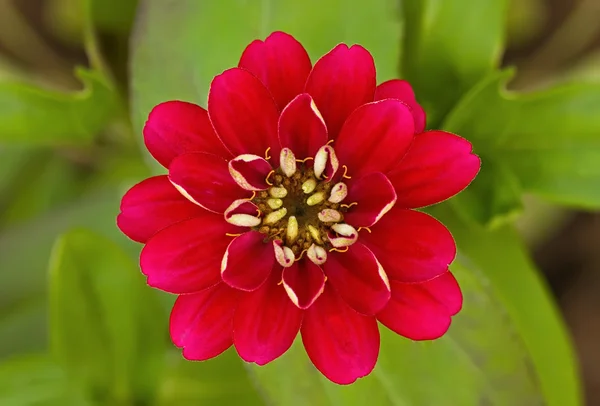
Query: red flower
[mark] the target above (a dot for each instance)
(288, 207)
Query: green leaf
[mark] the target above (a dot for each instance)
(480, 361)
(545, 142)
(35, 116)
(191, 43)
(527, 302)
(448, 47)
(35, 380)
(107, 326)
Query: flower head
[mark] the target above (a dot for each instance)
(288, 208)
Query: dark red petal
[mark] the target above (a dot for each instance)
(243, 113)
(375, 196)
(340, 342)
(250, 171)
(281, 63)
(422, 311)
(304, 282)
(301, 127)
(375, 137)
(152, 205)
(175, 127)
(265, 322)
(412, 246)
(437, 166)
(202, 323)
(358, 278)
(401, 90)
(205, 179)
(340, 81)
(248, 261)
(186, 257)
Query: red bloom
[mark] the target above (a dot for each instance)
(288, 207)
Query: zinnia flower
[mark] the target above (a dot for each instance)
(288, 207)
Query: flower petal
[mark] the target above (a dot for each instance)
(402, 90)
(205, 180)
(358, 278)
(301, 127)
(202, 323)
(248, 261)
(375, 137)
(412, 246)
(375, 196)
(243, 113)
(340, 81)
(250, 171)
(186, 257)
(265, 322)
(437, 166)
(281, 63)
(340, 342)
(422, 311)
(152, 205)
(176, 127)
(304, 282)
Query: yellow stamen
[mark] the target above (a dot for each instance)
(268, 176)
(364, 228)
(232, 235)
(345, 249)
(267, 156)
(345, 175)
(305, 159)
(329, 142)
(347, 206)
(300, 256)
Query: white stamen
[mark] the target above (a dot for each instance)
(329, 216)
(287, 161)
(309, 186)
(317, 254)
(326, 157)
(275, 216)
(338, 193)
(278, 192)
(292, 229)
(347, 235)
(283, 254)
(275, 203)
(315, 234)
(315, 199)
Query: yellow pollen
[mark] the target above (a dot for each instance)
(315, 234)
(309, 186)
(267, 156)
(315, 199)
(275, 216)
(275, 203)
(292, 229)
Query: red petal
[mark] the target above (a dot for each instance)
(375, 137)
(243, 113)
(205, 179)
(186, 257)
(412, 246)
(250, 172)
(340, 81)
(304, 282)
(358, 278)
(202, 323)
(175, 127)
(437, 166)
(401, 90)
(248, 261)
(152, 205)
(342, 344)
(301, 127)
(375, 196)
(266, 322)
(281, 63)
(422, 311)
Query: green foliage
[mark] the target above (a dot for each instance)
(544, 142)
(103, 319)
(34, 116)
(448, 47)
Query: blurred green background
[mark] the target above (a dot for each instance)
(71, 76)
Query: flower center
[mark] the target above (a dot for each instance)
(297, 209)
